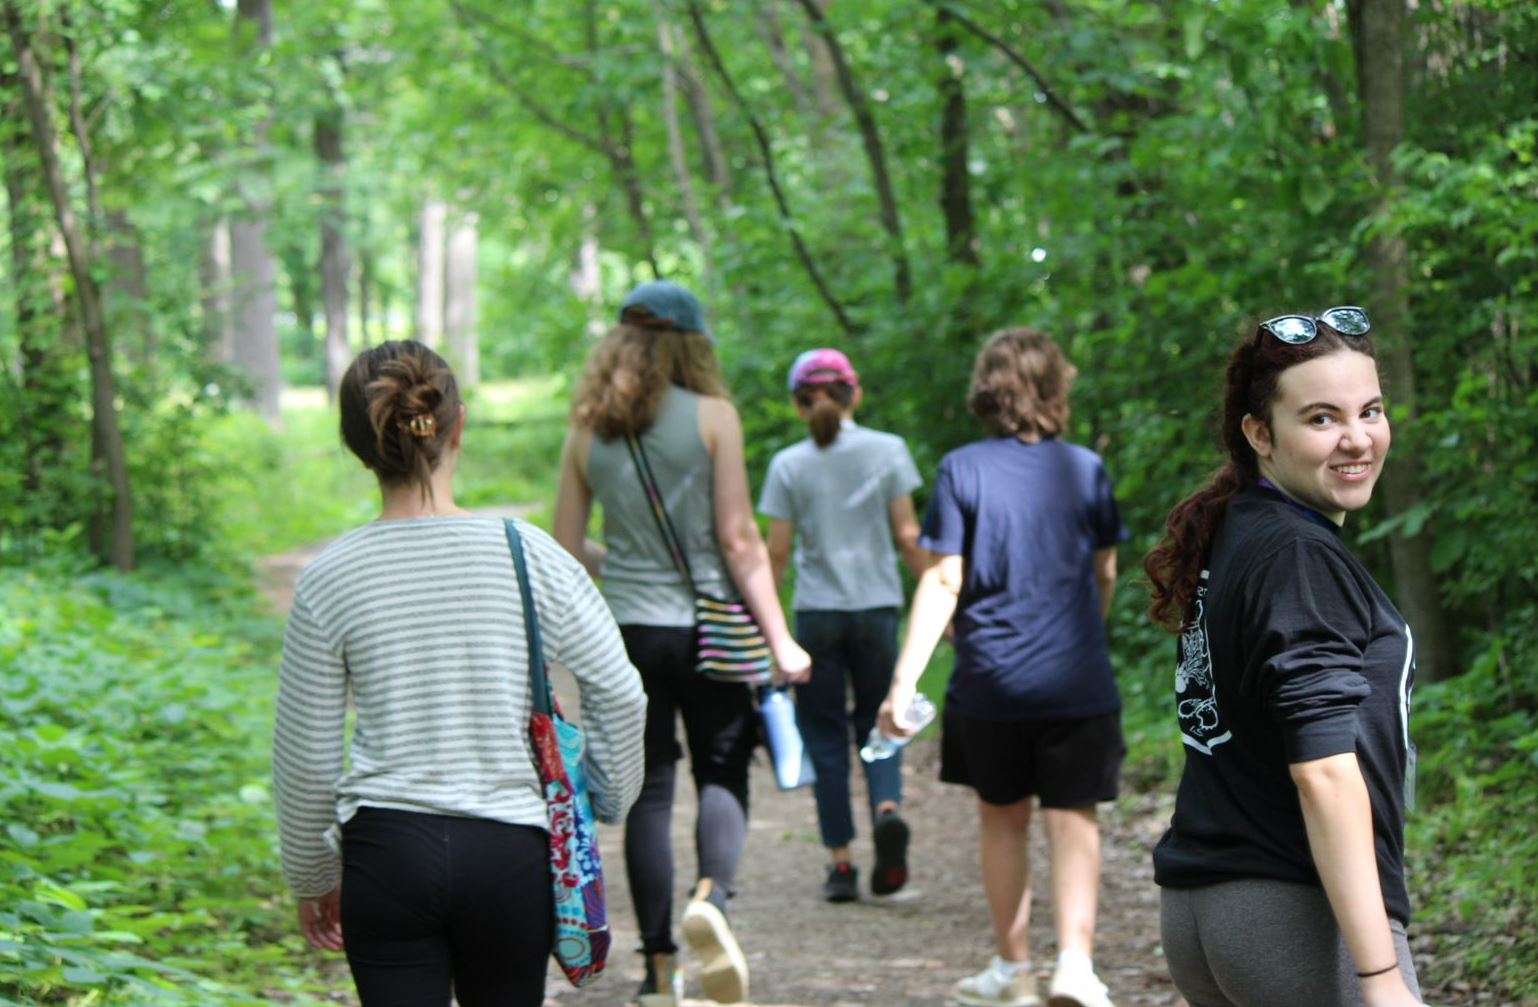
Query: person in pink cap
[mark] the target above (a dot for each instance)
(842, 498)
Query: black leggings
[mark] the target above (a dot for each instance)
(722, 731)
(434, 905)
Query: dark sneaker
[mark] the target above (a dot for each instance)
(843, 884)
(891, 871)
(723, 969)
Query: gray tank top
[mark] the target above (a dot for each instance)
(640, 582)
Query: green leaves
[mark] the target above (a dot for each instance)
(137, 862)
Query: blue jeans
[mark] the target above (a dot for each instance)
(859, 648)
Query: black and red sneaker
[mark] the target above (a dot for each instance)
(891, 871)
(843, 884)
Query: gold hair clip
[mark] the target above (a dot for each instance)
(420, 425)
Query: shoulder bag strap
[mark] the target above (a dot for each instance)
(544, 700)
(659, 510)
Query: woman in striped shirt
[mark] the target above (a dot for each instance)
(425, 843)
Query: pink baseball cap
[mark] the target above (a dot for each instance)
(822, 367)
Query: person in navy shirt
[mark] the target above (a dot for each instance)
(1024, 527)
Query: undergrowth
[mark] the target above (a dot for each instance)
(139, 851)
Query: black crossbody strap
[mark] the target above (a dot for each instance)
(659, 510)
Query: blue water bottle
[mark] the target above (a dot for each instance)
(792, 766)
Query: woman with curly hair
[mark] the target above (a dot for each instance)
(654, 377)
(1024, 528)
(1282, 873)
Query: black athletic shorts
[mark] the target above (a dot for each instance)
(1065, 763)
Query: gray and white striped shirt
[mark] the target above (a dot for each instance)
(421, 623)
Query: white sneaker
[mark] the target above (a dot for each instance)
(1074, 984)
(723, 969)
(994, 987)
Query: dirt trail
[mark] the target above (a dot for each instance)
(903, 952)
(906, 951)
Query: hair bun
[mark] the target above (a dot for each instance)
(400, 402)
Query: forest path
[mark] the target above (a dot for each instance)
(905, 951)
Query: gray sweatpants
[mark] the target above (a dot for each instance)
(1261, 943)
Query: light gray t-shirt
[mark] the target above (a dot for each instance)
(640, 582)
(839, 499)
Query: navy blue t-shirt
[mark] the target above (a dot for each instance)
(1027, 520)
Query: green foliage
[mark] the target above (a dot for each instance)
(279, 490)
(1478, 739)
(513, 436)
(139, 848)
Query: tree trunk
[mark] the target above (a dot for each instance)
(430, 244)
(90, 168)
(45, 389)
(717, 168)
(955, 179)
(870, 138)
(255, 304)
(767, 22)
(459, 315)
(107, 448)
(334, 254)
(824, 71)
(298, 263)
(1380, 76)
(586, 277)
(771, 175)
(214, 282)
(255, 299)
(128, 288)
(676, 152)
(365, 295)
(621, 150)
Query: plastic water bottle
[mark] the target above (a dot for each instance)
(878, 746)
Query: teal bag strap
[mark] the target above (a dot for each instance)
(544, 700)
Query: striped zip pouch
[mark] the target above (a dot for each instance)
(729, 646)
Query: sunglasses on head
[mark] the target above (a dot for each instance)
(1300, 329)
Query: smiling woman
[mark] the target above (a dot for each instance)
(1292, 692)
(1325, 440)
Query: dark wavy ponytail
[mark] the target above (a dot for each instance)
(399, 404)
(1174, 566)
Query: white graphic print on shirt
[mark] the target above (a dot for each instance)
(1200, 726)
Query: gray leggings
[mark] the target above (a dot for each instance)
(1262, 943)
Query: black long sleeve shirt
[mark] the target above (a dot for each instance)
(1293, 653)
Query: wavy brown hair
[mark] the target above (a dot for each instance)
(1250, 381)
(626, 375)
(1020, 384)
(399, 404)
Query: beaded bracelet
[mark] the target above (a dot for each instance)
(1369, 975)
